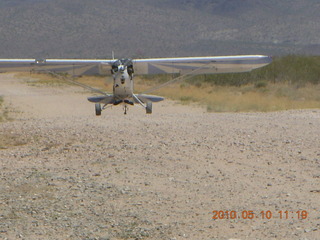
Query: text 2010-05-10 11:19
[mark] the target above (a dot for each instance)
(248, 214)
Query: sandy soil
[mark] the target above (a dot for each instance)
(67, 174)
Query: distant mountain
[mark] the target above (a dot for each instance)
(151, 28)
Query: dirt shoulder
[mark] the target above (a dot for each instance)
(67, 174)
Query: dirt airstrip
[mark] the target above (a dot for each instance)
(67, 174)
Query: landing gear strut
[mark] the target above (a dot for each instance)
(147, 106)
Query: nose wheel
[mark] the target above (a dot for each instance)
(125, 108)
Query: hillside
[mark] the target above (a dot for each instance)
(79, 28)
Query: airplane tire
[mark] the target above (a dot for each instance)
(98, 109)
(149, 108)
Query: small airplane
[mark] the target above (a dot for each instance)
(123, 71)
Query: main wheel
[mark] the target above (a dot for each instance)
(149, 108)
(98, 109)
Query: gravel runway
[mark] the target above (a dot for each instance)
(67, 174)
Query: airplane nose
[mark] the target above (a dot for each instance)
(121, 68)
(122, 80)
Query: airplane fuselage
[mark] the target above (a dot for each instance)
(122, 84)
(122, 72)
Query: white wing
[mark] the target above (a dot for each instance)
(71, 66)
(187, 65)
(201, 65)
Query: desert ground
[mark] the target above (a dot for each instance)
(67, 174)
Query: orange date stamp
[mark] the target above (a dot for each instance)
(248, 214)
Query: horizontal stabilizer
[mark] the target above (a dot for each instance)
(152, 98)
(108, 99)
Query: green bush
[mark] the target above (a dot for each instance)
(260, 84)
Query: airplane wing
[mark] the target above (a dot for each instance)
(200, 65)
(71, 66)
(187, 65)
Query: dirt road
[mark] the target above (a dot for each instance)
(67, 174)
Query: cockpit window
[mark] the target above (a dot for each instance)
(116, 64)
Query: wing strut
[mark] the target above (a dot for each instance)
(177, 79)
(77, 83)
